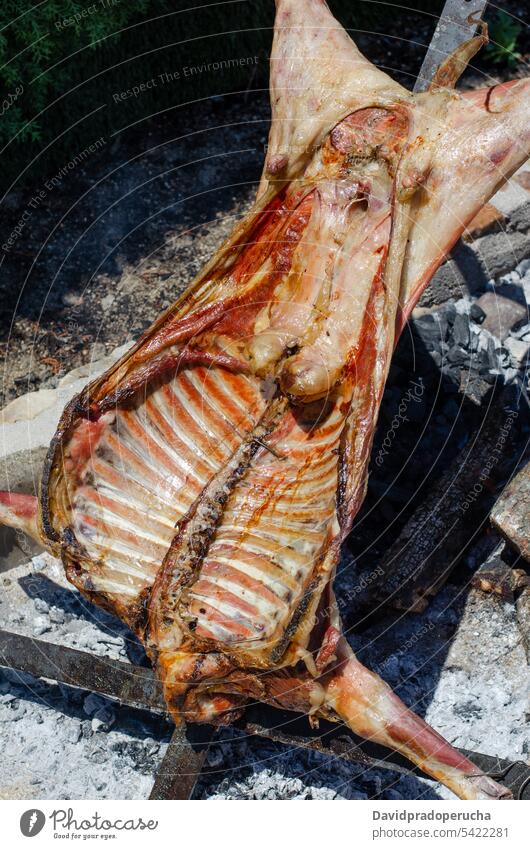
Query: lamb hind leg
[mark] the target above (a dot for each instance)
(373, 711)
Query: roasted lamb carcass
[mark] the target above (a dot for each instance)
(201, 489)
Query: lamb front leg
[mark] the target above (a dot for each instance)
(20, 512)
(370, 708)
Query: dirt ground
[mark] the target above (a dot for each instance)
(121, 236)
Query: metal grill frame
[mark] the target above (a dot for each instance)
(186, 755)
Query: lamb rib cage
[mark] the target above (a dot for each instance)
(185, 758)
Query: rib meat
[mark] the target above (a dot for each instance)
(201, 488)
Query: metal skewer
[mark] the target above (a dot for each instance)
(458, 22)
(185, 757)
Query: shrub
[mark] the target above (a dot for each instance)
(63, 63)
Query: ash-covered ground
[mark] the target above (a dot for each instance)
(58, 742)
(459, 664)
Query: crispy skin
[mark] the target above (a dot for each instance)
(202, 487)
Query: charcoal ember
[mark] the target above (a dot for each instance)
(458, 355)
(477, 390)
(449, 312)
(460, 331)
(476, 313)
(497, 577)
(93, 703)
(103, 719)
(138, 753)
(431, 329)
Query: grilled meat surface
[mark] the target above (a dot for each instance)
(202, 487)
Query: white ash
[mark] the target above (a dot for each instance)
(51, 749)
(38, 601)
(64, 743)
(481, 698)
(459, 664)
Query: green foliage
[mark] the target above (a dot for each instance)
(504, 34)
(63, 64)
(35, 40)
(62, 59)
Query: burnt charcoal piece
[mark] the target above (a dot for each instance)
(457, 355)
(497, 577)
(461, 335)
(431, 329)
(477, 313)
